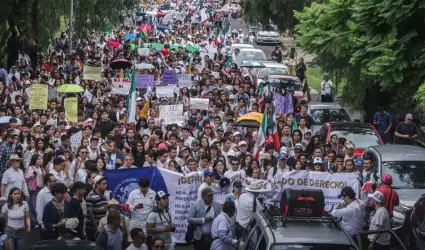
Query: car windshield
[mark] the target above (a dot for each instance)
(322, 116)
(286, 83)
(360, 137)
(272, 71)
(406, 174)
(252, 55)
(269, 28)
(312, 247)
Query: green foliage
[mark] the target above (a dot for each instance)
(279, 12)
(372, 44)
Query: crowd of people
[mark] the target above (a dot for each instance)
(48, 183)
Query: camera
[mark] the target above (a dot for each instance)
(173, 228)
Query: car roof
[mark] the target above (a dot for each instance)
(400, 152)
(324, 105)
(349, 125)
(281, 76)
(242, 45)
(270, 64)
(251, 49)
(311, 232)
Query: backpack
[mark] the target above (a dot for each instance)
(103, 231)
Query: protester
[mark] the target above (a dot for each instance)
(390, 195)
(18, 218)
(78, 207)
(110, 236)
(71, 230)
(114, 206)
(380, 220)
(56, 212)
(200, 216)
(13, 177)
(138, 238)
(159, 223)
(223, 238)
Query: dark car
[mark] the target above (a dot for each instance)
(64, 245)
(415, 225)
(362, 135)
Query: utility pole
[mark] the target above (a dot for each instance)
(71, 17)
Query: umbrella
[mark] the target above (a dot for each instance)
(5, 119)
(120, 64)
(252, 65)
(69, 88)
(144, 66)
(251, 119)
(162, 27)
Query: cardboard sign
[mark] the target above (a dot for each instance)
(39, 94)
(121, 86)
(184, 78)
(164, 91)
(170, 114)
(199, 103)
(169, 76)
(145, 81)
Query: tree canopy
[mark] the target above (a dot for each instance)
(278, 12)
(375, 45)
(37, 21)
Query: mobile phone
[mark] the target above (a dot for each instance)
(141, 205)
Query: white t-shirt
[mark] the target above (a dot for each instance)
(16, 215)
(142, 247)
(326, 87)
(202, 186)
(381, 220)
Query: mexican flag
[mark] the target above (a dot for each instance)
(294, 124)
(368, 186)
(275, 134)
(262, 130)
(132, 101)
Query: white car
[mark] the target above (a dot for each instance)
(272, 68)
(240, 46)
(268, 35)
(251, 54)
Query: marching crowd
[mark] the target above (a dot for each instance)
(48, 183)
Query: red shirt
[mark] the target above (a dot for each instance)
(389, 204)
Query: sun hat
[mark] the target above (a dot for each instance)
(113, 202)
(256, 187)
(14, 157)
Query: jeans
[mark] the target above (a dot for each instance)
(17, 240)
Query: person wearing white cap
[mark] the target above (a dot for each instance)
(349, 151)
(380, 220)
(406, 131)
(243, 147)
(280, 168)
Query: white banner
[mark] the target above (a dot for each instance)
(121, 86)
(199, 103)
(183, 191)
(185, 79)
(170, 114)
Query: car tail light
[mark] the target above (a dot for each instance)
(358, 152)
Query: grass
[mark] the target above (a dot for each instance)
(315, 76)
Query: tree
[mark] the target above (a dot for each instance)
(375, 45)
(278, 12)
(36, 22)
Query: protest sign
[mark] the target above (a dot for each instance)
(143, 52)
(121, 86)
(71, 108)
(184, 78)
(39, 94)
(144, 81)
(216, 75)
(199, 103)
(76, 140)
(183, 188)
(88, 95)
(165, 91)
(169, 76)
(171, 114)
(92, 73)
(130, 36)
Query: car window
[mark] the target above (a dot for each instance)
(272, 71)
(361, 138)
(417, 220)
(406, 174)
(250, 55)
(253, 239)
(322, 116)
(285, 83)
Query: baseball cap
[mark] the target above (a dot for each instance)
(236, 133)
(409, 117)
(219, 128)
(72, 224)
(138, 98)
(359, 162)
(282, 156)
(208, 173)
(207, 125)
(387, 179)
(347, 191)
(317, 160)
(349, 146)
(231, 153)
(283, 150)
(242, 143)
(161, 194)
(307, 131)
(377, 196)
(162, 146)
(99, 178)
(299, 146)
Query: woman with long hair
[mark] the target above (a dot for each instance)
(34, 177)
(18, 218)
(219, 168)
(39, 146)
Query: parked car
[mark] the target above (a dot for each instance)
(284, 81)
(362, 135)
(268, 35)
(415, 225)
(323, 112)
(406, 164)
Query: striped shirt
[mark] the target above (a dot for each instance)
(96, 203)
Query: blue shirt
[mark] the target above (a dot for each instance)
(221, 233)
(384, 121)
(3, 73)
